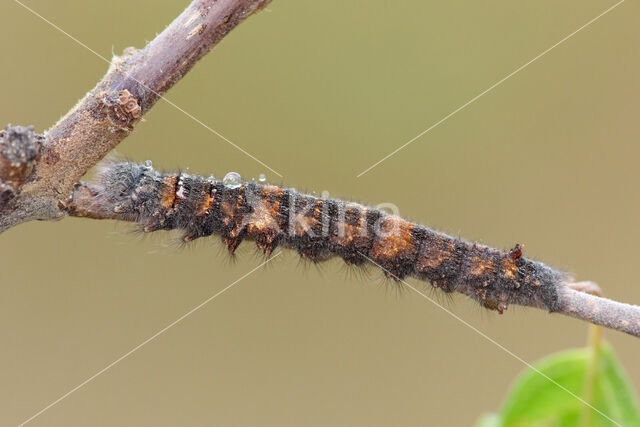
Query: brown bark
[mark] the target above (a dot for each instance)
(109, 112)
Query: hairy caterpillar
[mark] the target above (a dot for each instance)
(320, 228)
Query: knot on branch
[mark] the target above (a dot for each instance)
(19, 149)
(123, 108)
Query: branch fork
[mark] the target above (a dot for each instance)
(40, 174)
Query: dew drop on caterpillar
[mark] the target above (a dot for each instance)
(319, 228)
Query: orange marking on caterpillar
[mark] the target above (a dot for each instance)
(346, 235)
(263, 225)
(481, 265)
(302, 224)
(276, 204)
(397, 239)
(434, 257)
(317, 211)
(261, 220)
(509, 268)
(169, 191)
(204, 207)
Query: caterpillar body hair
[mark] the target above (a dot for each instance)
(320, 228)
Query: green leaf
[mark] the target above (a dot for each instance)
(535, 400)
(489, 420)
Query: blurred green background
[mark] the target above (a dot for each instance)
(319, 91)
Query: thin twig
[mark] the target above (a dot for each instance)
(109, 112)
(600, 311)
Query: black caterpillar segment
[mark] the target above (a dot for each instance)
(319, 228)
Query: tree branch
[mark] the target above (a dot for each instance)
(600, 311)
(39, 175)
(109, 112)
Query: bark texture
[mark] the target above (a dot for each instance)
(37, 184)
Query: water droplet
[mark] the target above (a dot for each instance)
(180, 193)
(232, 180)
(148, 163)
(262, 177)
